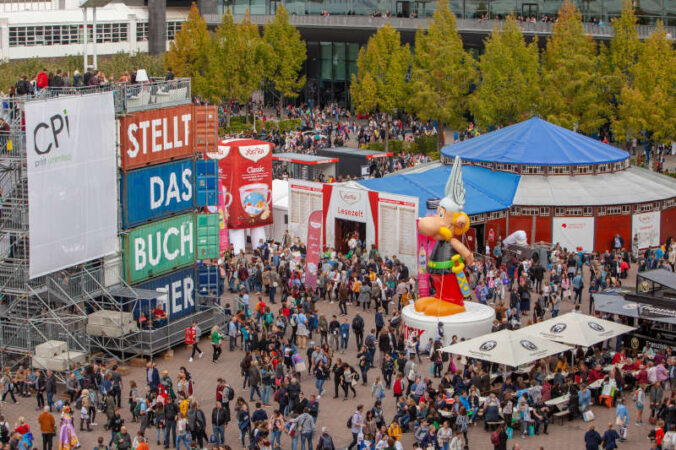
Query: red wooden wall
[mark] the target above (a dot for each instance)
(605, 227)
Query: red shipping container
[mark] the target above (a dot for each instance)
(245, 174)
(156, 135)
(205, 128)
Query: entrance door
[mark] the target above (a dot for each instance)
(529, 10)
(344, 229)
(403, 8)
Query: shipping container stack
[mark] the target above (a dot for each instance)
(165, 188)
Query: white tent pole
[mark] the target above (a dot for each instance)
(84, 37)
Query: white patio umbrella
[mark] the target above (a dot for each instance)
(507, 347)
(576, 329)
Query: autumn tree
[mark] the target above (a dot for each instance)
(187, 55)
(234, 62)
(648, 104)
(441, 73)
(572, 95)
(509, 87)
(285, 57)
(380, 82)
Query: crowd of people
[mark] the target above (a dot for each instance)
(278, 329)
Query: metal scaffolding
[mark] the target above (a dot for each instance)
(61, 306)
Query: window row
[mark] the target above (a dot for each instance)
(26, 36)
(524, 169)
(142, 30)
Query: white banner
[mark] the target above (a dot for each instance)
(647, 227)
(72, 186)
(574, 232)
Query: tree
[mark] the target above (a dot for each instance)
(187, 55)
(286, 55)
(572, 95)
(648, 104)
(234, 62)
(441, 74)
(380, 82)
(509, 87)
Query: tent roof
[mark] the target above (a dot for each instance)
(537, 142)
(303, 158)
(485, 190)
(660, 276)
(632, 185)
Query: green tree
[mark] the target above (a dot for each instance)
(285, 57)
(509, 87)
(572, 95)
(187, 55)
(380, 82)
(648, 103)
(234, 63)
(441, 73)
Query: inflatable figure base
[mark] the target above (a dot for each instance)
(476, 320)
(432, 306)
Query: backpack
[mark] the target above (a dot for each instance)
(22, 87)
(325, 442)
(4, 433)
(231, 393)
(358, 324)
(495, 438)
(349, 422)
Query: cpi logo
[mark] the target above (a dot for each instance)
(528, 345)
(558, 328)
(46, 135)
(222, 152)
(488, 346)
(314, 224)
(254, 152)
(350, 197)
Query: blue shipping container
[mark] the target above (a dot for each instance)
(209, 282)
(176, 292)
(156, 192)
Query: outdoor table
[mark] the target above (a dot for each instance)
(559, 402)
(595, 385)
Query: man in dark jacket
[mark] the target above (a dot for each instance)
(152, 376)
(115, 426)
(197, 424)
(218, 422)
(170, 413)
(123, 440)
(50, 388)
(592, 439)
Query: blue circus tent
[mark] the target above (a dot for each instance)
(486, 190)
(536, 142)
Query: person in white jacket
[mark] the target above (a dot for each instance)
(457, 442)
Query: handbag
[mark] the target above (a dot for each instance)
(531, 430)
(588, 416)
(509, 431)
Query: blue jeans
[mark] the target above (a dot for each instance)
(294, 441)
(182, 438)
(273, 291)
(219, 434)
(276, 437)
(555, 312)
(306, 437)
(320, 386)
(267, 390)
(170, 428)
(343, 342)
(50, 400)
(251, 393)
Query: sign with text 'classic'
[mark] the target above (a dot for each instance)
(159, 248)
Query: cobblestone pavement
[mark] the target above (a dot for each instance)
(333, 413)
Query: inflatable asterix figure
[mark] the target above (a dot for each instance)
(448, 258)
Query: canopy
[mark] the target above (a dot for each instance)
(507, 347)
(632, 185)
(537, 142)
(613, 303)
(576, 329)
(486, 190)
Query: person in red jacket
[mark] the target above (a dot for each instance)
(43, 79)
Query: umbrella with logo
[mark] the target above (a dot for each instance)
(507, 347)
(576, 329)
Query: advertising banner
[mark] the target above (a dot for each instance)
(245, 172)
(314, 248)
(223, 240)
(647, 227)
(574, 232)
(72, 185)
(159, 248)
(156, 135)
(425, 246)
(176, 292)
(156, 192)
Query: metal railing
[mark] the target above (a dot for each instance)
(412, 24)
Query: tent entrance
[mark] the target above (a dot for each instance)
(344, 231)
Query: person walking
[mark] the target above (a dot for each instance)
(610, 438)
(195, 346)
(357, 423)
(47, 427)
(216, 338)
(592, 439)
(218, 422)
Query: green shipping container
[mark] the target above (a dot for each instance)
(159, 247)
(208, 236)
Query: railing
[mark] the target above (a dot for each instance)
(412, 24)
(14, 276)
(136, 97)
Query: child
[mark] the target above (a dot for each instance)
(101, 445)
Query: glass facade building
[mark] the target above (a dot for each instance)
(648, 11)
